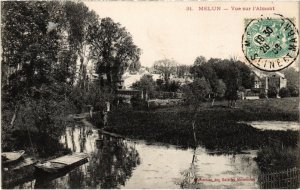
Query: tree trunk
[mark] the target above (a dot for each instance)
(213, 102)
(14, 116)
(194, 124)
(109, 78)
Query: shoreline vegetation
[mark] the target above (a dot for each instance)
(216, 128)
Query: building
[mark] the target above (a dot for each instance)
(260, 82)
(263, 82)
(277, 80)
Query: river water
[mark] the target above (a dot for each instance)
(124, 163)
(275, 125)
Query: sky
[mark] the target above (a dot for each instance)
(167, 30)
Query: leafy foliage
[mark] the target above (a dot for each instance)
(197, 91)
(135, 66)
(78, 22)
(284, 92)
(262, 95)
(234, 76)
(183, 71)
(173, 86)
(294, 90)
(146, 84)
(292, 76)
(113, 49)
(272, 92)
(44, 66)
(220, 88)
(166, 67)
(29, 51)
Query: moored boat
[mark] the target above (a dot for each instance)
(11, 157)
(62, 163)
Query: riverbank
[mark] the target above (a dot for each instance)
(281, 109)
(216, 128)
(211, 131)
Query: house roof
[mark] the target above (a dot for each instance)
(129, 78)
(259, 74)
(278, 74)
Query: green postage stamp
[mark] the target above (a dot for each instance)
(270, 43)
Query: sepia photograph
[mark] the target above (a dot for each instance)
(150, 95)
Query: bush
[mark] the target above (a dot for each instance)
(262, 95)
(95, 97)
(272, 92)
(284, 92)
(294, 91)
(38, 123)
(77, 98)
(273, 158)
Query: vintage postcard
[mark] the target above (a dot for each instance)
(150, 95)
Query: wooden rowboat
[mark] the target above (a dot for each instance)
(62, 163)
(10, 157)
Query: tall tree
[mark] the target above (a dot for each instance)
(199, 61)
(146, 84)
(79, 20)
(245, 80)
(29, 48)
(232, 85)
(196, 93)
(292, 76)
(183, 71)
(33, 92)
(113, 49)
(205, 69)
(135, 66)
(225, 68)
(166, 67)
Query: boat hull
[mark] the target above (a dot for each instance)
(11, 157)
(60, 164)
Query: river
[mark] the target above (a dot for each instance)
(275, 125)
(125, 163)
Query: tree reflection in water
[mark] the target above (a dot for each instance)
(111, 163)
(189, 175)
(209, 170)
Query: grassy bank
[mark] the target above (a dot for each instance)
(275, 158)
(217, 128)
(286, 109)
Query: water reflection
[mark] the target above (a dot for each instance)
(211, 171)
(110, 162)
(119, 163)
(275, 125)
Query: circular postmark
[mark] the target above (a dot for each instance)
(270, 44)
